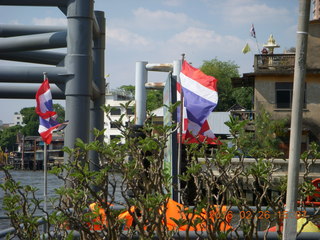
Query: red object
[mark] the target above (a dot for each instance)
(311, 200)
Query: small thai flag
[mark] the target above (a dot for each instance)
(47, 116)
(252, 31)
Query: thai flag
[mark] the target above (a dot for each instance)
(200, 97)
(252, 31)
(47, 116)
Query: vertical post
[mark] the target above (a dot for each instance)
(79, 62)
(97, 114)
(141, 93)
(290, 223)
(22, 153)
(176, 160)
(45, 186)
(34, 155)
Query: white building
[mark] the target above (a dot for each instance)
(17, 119)
(115, 99)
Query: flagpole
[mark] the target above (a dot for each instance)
(254, 35)
(180, 135)
(45, 177)
(45, 190)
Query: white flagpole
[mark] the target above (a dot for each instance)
(180, 136)
(45, 189)
(45, 177)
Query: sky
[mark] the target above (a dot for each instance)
(159, 31)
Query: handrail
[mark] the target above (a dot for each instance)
(274, 62)
(191, 234)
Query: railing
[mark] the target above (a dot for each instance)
(194, 235)
(274, 62)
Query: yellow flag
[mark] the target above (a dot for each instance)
(246, 49)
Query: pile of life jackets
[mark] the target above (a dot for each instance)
(174, 211)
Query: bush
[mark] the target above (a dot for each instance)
(130, 194)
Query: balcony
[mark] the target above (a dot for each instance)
(264, 63)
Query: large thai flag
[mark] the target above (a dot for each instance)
(200, 97)
(47, 116)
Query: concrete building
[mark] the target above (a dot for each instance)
(272, 81)
(17, 119)
(115, 99)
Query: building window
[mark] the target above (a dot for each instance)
(115, 111)
(115, 125)
(112, 137)
(130, 111)
(284, 92)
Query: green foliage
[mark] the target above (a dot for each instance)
(154, 97)
(219, 177)
(8, 137)
(264, 140)
(128, 88)
(228, 96)
(31, 121)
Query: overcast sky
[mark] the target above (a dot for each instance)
(159, 31)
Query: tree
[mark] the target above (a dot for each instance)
(8, 137)
(228, 96)
(128, 88)
(31, 121)
(154, 97)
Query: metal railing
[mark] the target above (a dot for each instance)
(274, 62)
(192, 234)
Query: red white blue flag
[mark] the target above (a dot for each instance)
(200, 97)
(252, 31)
(47, 116)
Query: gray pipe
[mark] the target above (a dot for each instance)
(79, 62)
(140, 93)
(97, 114)
(36, 3)
(10, 30)
(33, 42)
(27, 92)
(41, 57)
(32, 74)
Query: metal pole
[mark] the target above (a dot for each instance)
(33, 42)
(22, 153)
(31, 74)
(97, 114)
(176, 168)
(45, 187)
(140, 92)
(10, 30)
(290, 223)
(78, 61)
(42, 57)
(22, 91)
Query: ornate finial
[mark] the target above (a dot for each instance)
(271, 44)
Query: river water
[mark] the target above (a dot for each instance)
(36, 179)
(32, 178)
